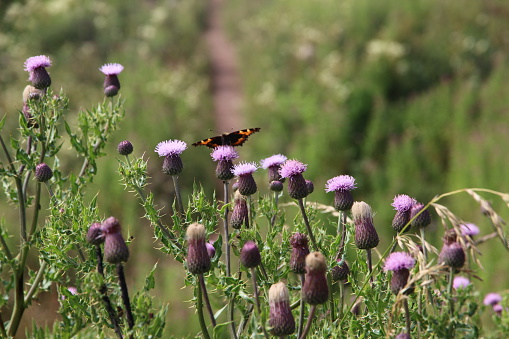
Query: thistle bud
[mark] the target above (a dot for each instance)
(281, 319)
(210, 250)
(240, 215)
(125, 147)
(402, 204)
(94, 234)
(43, 172)
(315, 289)
(250, 255)
(198, 259)
(111, 83)
(423, 219)
(115, 248)
(366, 236)
(276, 186)
(310, 186)
(300, 250)
(452, 254)
(341, 271)
(172, 165)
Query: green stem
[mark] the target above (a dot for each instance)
(125, 296)
(302, 305)
(308, 227)
(341, 298)
(407, 316)
(273, 219)
(341, 224)
(424, 250)
(257, 298)
(199, 308)
(206, 297)
(331, 299)
(178, 195)
(35, 284)
(226, 233)
(310, 320)
(449, 290)
(370, 264)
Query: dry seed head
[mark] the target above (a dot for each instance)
(195, 231)
(278, 292)
(315, 262)
(361, 211)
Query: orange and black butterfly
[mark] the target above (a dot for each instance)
(236, 138)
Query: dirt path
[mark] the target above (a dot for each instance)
(225, 79)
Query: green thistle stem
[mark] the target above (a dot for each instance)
(310, 320)
(199, 308)
(407, 316)
(308, 227)
(178, 195)
(257, 298)
(302, 305)
(206, 298)
(125, 295)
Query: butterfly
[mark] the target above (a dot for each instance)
(236, 138)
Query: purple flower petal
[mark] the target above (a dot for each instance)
(111, 69)
(340, 183)
(460, 282)
(469, 229)
(403, 203)
(170, 147)
(291, 168)
(275, 160)
(399, 260)
(492, 299)
(224, 153)
(244, 168)
(36, 62)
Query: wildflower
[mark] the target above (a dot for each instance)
(452, 254)
(115, 248)
(224, 156)
(498, 309)
(300, 250)
(240, 214)
(43, 172)
(250, 255)
(366, 236)
(423, 219)
(36, 66)
(95, 235)
(402, 204)
(293, 169)
(341, 185)
(469, 229)
(315, 289)
(244, 171)
(198, 259)
(400, 263)
(281, 319)
(273, 164)
(460, 283)
(111, 83)
(125, 147)
(492, 299)
(171, 150)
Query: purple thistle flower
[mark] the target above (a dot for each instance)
(292, 168)
(340, 183)
(275, 160)
(210, 250)
(36, 66)
(111, 83)
(460, 282)
(32, 63)
(403, 203)
(244, 171)
(224, 153)
(498, 309)
(492, 299)
(399, 260)
(469, 229)
(111, 69)
(170, 148)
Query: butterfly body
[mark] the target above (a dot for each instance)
(236, 138)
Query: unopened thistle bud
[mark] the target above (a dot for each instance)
(240, 213)
(276, 186)
(273, 164)
(341, 185)
(36, 66)
(315, 289)
(95, 235)
(402, 204)
(210, 250)
(111, 83)
(171, 150)
(300, 250)
(310, 186)
(366, 236)
(250, 255)
(244, 171)
(341, 271)
(224, 156)
(293, 169)
(125, 148)
(115, 248)
(198, 259)
(400, 264)
(452, 254)
(281, 319)
(43, 172)
(423, 219)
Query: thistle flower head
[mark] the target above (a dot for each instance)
(403, 335)
(276, 186)
(115, 248)
(198, 258)
(469, 229)
(423, 219)
(250, 255)
(399, 260)
(35, 62)
(210, 250)
(310, 186)
(299, 240)
(240, 214)
(275, 160)
(300, 250)
(452, 254)
(403, 202)
(341, 271)
(110, 226)
(460, 282)
(366, 236)
(111, 69)
(224, 153)
(498, 309)
(95, 235)
(125, 147)
(244, 168)
(244, 171)
(292, 168)
(492, 299)
(43, 172)
(361, 211)
(315, 289)
(170, 148)
(340, 183)
(281, 319)
(315, 262)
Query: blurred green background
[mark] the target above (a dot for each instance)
(407, 97)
